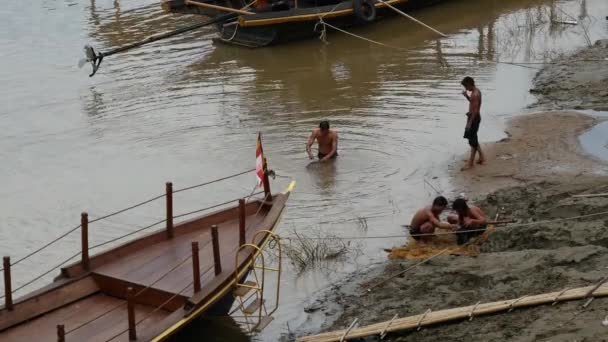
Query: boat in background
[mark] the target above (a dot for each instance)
(155, 286)
(262, 23)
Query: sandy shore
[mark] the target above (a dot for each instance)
(579, 81)
(539, 146)
(529, 177)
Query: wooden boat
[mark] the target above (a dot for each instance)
(268, 22)
(154, 286)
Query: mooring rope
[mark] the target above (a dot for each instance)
(322, 22)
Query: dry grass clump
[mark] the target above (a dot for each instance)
(309, 251)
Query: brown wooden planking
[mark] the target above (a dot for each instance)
(46, 302)
(149, 296)
(75, 314)
(164, 249)
(146, 241)
(223, 278)
(146, 269)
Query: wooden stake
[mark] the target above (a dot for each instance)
(196, 272)
(169, 195)
(267, 194)
(217, 262)
(8, 290)
(131, 313)
(221, 8)
(84, 240)
(60, 333)
(242, 216)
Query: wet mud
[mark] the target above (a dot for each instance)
(578, 81)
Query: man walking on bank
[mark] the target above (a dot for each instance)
(473, 95)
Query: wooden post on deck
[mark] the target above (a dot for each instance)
(196, 272)
(8, 290)
(84, 239)
(60, 333)
(242, 216)
(131, 313)
(267, 194)
(217, 262)
(169, 195)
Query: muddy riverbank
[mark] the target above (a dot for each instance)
(533, 175)
(578, 81)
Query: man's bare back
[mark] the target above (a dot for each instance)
(427, 219)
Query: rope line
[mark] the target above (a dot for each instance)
(45, 246)
(217, 205)
(213, 181)
(516, 225)
(43, 274)
(120, 212)
(322, 22)
(127, 209)
(128, 234)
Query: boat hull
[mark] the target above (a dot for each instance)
(272, 28)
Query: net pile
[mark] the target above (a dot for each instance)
(415, 250)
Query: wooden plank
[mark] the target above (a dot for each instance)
(89, 310)
(263, 323)
(46, 302)
(254, 306)
(151, 296)
(242, 291)
(442, 316)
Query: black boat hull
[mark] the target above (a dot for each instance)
(268, 35)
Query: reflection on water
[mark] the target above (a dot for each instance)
(185, 110)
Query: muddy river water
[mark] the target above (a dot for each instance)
(187, 111)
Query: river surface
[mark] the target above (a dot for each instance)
(186, 110)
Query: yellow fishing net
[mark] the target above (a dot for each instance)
(437, 244)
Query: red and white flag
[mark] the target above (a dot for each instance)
(259, 161)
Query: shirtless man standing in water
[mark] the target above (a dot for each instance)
(427, 219)
(473, 120)
(327, 140)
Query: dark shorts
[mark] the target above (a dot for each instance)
(322, 155)
(415, 232)
(464, 234)
(471, 133)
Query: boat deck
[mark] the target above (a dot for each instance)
(111, 325)
(145, 267)
(161, 275)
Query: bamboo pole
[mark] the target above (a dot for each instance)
(220, 8)
(442, 316)
(8, 290)
(84, 240)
